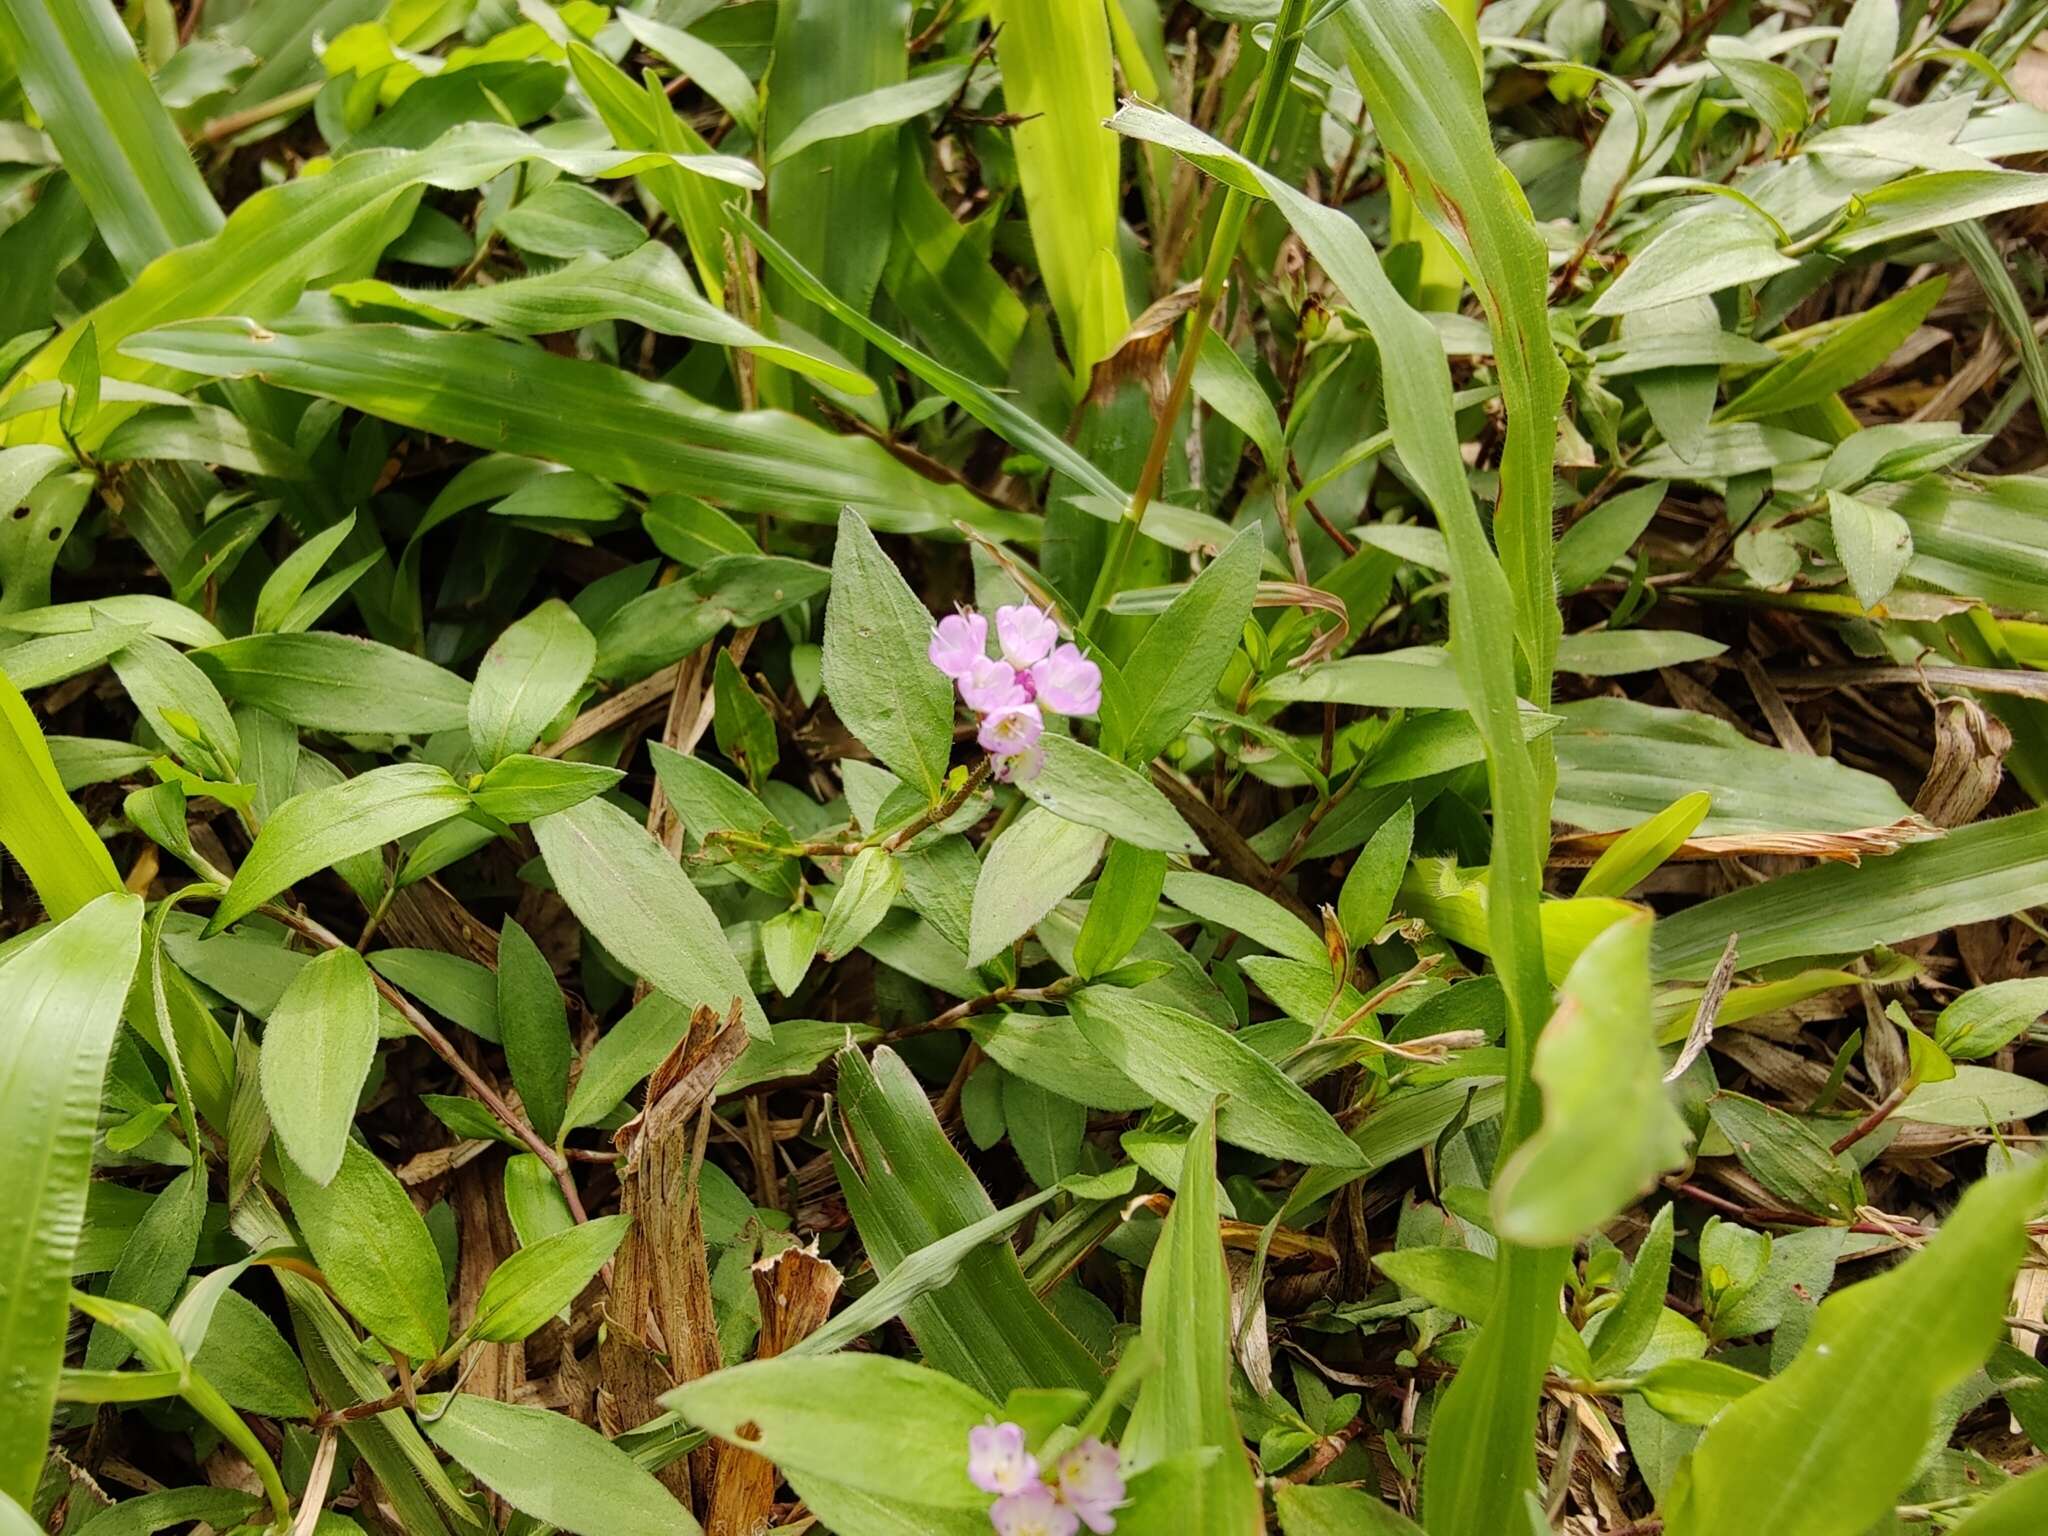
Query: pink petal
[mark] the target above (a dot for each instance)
(1026, 634)
(988, 685)
(958, 642)
(1013, 729)
(1068, 683)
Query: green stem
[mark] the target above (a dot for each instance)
(1258, 140)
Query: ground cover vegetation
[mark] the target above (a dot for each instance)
(916, 767)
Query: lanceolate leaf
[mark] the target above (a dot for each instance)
(528, 676)
(585, 415)
(373, 1248)
(317, 1047)
(1186, 1405)
(283, 237)
(1185, 1062)
(117, 141)
(907, 1188)
(880, 682)
(547, 1465)
(323, 826)
(641, 906)
(64, 860)
(64, 991)
(535, 1283)
(1786, 1456)
(1969, 876)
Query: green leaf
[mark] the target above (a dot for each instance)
(65, 989)
(374, 1249)
(65, 861)
(880, 108)
(720, 78)
(1973, 874)
(1984, 1019)
(831, 203)
(1185, 1405)
(318, 1044)
(1629, 859)
(1591, 546)
(1846, 352)
(710, 803)
(1975, 1098)
(1785, 1156)
(815, 1416)
(1615, 653)
(1912, 205)
(118, 144)
(1621, 763)
(1772, 92)
(567, 220)
(1185, 1062)
(1874, 544)
(1238, 908)
(2017, 1508)
(1788, 1457)
(647, 286)
(533, 1025)
(248, 1362)
(283, 237)
(1694, 1391)
(587, 415)
(1081, 785)
(1863, 59)
(623, 1055)
(789, 942)
(1608, 1129)
(741, 724)
(1059, 77)
(1174, 670)
(153, 1512)
(633, 897)
(180, 705)
(1028, 870)
(285, 586)
(1626, 1331)
(1374, 879)
(664, 625)
(547, 1465)
(1697, 252)
(529, 1287)
(880, 681)
(339, 683)
(1120, 912)
(908, 1189)
(523, 788)
(313, 830)
(860, 901)
(532, 671)
(1307, 1510)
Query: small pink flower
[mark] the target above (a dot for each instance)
(997, 1461)
(1067, 682)
(989, 685)
(1021, 768)
(1090, 1482)
(959, 641)
(1026, 634)
(1013, 729)
(1032, 1511)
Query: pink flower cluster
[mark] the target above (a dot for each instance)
(1011, 693)
(1086, 1486)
